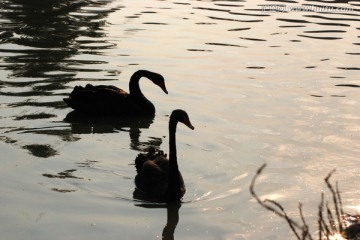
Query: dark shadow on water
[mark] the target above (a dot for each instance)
(35, 116)
(39, 150)
(40, 39)
(348, 85)
(63, 175)
(172, 220)
(90, 124)
(142, 196)
(64, 133)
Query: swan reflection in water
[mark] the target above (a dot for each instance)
(172, 220)
(90, 124)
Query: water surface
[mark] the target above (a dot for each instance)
(274, 86)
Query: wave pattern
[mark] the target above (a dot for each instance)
(49, 46)
(266, 76)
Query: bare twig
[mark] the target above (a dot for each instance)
(335, 197)
(320, 218)
(305, 226)
(290, 222)
(330, 219)
(327, 227)
(341, 227)
(293, 225)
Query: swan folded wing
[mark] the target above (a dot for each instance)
(96, 98)
(155, 178)
(162, 162)
(152, 154)
(139, 161)
(105, 87)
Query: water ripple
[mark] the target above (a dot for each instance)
(234, 20)
(333, 19)
(226, 45)
(253, 39)
(290, 20)
(316, 37)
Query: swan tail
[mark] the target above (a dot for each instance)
(152, 154)
(139, 161)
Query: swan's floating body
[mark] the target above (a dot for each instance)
(158, 176)
(110, 100)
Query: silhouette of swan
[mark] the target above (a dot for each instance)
(157, 177)
(110, 100)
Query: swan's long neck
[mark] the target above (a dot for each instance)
(174, 184)
(172, 144)
(134, 87)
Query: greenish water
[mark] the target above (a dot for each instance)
(277, 87)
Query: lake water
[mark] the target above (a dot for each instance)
(261, 83)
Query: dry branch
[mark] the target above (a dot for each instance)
(333, 224)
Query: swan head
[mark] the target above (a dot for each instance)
(158, 80)
(181, 116)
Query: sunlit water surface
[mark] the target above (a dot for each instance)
(277, 87)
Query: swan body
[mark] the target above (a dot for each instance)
(111, 100)
(158, 176)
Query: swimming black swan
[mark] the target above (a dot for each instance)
(110, 100)
(158, 177)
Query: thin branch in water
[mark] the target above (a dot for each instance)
(305, 226)
(320, 218)
(291, 223)
(341, 229)
(330, 219)
(327, 227)
(334, 199)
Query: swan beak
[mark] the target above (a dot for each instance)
(163, 87)
(188, 123)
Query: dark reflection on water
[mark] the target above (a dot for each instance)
(172, 210)
(348, 85)
(45, 44)
(64, 133)
(63, 175)
(88, 124)
(34, 116)
(33, 103)
(48, 46)
(43, 151)
(39, 38)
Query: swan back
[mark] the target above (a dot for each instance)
(110, 100)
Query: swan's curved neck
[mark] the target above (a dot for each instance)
(172, 143)
(134, 87)
(174, 185)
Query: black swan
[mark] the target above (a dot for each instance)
(157, 177)
(110, 100)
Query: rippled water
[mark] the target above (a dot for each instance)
(261, 81)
